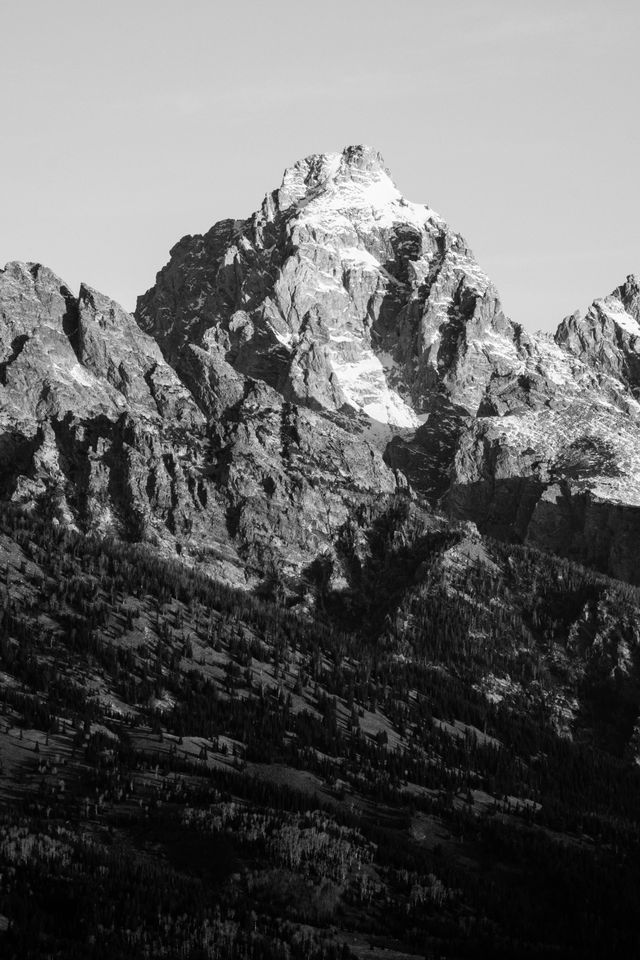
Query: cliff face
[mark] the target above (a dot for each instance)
(98, 431)
(341, 295)
(554, 458)
(285, 371)
(346, 298)
(608, 336)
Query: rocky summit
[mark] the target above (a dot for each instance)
(291, 371)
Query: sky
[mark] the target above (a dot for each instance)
(126, 125)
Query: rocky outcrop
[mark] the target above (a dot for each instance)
(553, 461)
(98, 431)
(608, 336)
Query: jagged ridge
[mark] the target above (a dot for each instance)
(314, 355)
(343, 296)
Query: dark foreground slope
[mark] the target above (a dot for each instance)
(189, 771)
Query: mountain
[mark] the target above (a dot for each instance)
(607, 337)
(341, 295)
(309, 646)
(338, 346)
(350, 301)
(98, 431)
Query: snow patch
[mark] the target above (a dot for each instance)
(286, 339)
(364, 384)
(360, 256)
(613, 310)
(81, 375)
(372, 200)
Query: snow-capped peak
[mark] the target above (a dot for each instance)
(353, 184)
(348, 297)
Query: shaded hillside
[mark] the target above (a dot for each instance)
(448, 773)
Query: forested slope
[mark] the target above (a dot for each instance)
(437, 758)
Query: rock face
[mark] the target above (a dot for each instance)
(337, 347)
(341, 295)
(554, 458)
(97, 430)
(608, 336)
(346, 298)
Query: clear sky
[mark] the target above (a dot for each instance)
(125, 125)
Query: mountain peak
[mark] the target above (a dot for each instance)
(27, 273)
(363, 157)
(606, 337)
(353, 162)
(338, 334)
(356, 177)
(629, 294)
(342, 295)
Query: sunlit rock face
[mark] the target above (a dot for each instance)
(341, 295)
(339, 346)
(99, 432)
(607, 337)
(554, 457)
(347, 299)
